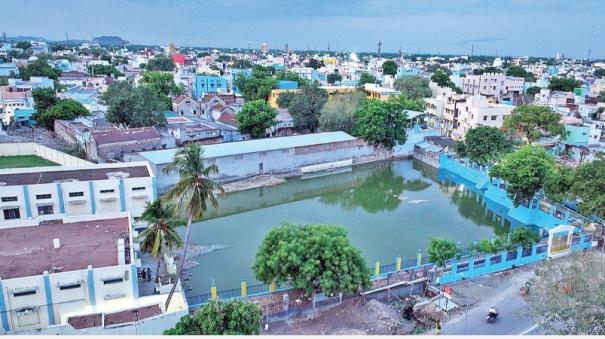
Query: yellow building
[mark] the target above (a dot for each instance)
(275, 93)
(374, 91)
(329, 60)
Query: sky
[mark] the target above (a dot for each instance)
(502, 27)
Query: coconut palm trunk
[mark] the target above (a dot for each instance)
(179, 269)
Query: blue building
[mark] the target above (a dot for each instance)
(287, 84)
(407, 72)
(237, 72)
(24, 116)
(8, 69)
(208, 84)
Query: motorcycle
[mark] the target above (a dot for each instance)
(491, 317)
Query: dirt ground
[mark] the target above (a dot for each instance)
(352, 317)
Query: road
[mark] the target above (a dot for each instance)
(501, 291)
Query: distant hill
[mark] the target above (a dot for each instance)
(111, 41)
(21, 38)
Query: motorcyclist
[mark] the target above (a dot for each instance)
(492, 312)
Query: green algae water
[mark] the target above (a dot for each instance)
(389, 209)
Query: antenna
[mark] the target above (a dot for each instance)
(589, 51)
(399, 52)
(328, 48)
(66, 38)
(472, 50)
(379, 48)
(4, 36)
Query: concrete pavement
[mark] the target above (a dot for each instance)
(499, 290)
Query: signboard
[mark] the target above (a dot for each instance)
(447, 292)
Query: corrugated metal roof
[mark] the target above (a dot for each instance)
(252, 146)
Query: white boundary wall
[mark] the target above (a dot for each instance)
(31, 148)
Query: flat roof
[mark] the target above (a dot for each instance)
(47, 175)
(29, 251)
(252, 146)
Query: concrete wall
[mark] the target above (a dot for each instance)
(30, 148)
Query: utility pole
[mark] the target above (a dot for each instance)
(4, 36)
(589, 51)
(379, 48)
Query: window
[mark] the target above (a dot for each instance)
(108, 191)
(142, 188)
(76, 194)
(485, 118)
(43, 196)
(70, 286)
(24, 293)
(494, 117)
(45, 210)
(12, 213)
(113, 281)
(9, 199)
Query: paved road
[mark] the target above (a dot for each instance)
(499, 291)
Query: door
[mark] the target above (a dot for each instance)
(260, 168)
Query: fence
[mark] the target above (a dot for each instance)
(25, 148)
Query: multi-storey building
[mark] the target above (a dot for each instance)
(492, 84)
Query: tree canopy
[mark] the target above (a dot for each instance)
(67, 109)
(564, 84)
(532, 91)
(334, 77)
(99, 69)
(305, 107)
(525, 171)
(257, 86)
(312, 257)
(163, 84)
(366, 78)
(39, 68)
(485, 144)
(219, 317)
(160, 62)
(518, 71)
(44, 98)
(441, 78)
(389, 67)
(381, 122)
(134, 106)
(315, 64)
(256, 117)
(413, 87)
(535, 121)
(441, 250)
(599, 72)
(338, 114)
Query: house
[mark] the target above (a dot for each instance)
(293, 154)
(34, 82)
(285, 124)
(8, 70)
(12, 99)
(24, 116)
(88, 97)
(113, 143)
(49, 193)
(478, 111)
(208, 84)
(186, 106)
(73, 78)
(375, 91)
(492, 84)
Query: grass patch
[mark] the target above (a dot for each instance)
(19, 161)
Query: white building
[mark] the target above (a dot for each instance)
(76, 274)
(478, 111)
(49, 193)
(492, 84)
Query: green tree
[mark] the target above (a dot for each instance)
(432, 68)
(526, 172)
(366, 78)
(315, 64)
(558, 186)
(64, 110)
(518, 71)
(160, 62)
(564, 84)
(39, 68)
(256, 117)
(239, 63)
(489, 69)
(44, 98)
(566, 296)
(104, 70)
(588, 185)
(305, 107)
(413, 87)
(485, 144)
(23, 45)
(160, 236)
(599, 72)
(312, 257)
(257, 86)
(163, 84)
(523, 236)
(535, 121)
(389, 67)
(134, 107)
(489, 245)
(218, 317)
(191, 193)
(532, 91)
(381, 122)
(441, 250)
(443, 80)
(284, 99)
(334, 77)
(338, 113)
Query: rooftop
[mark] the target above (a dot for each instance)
(252, 146)
(45, 175)
(29, 251)
(111, 136)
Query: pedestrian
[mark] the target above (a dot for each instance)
(148, 274)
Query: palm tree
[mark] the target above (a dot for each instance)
(191, 192)
(161, 234)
